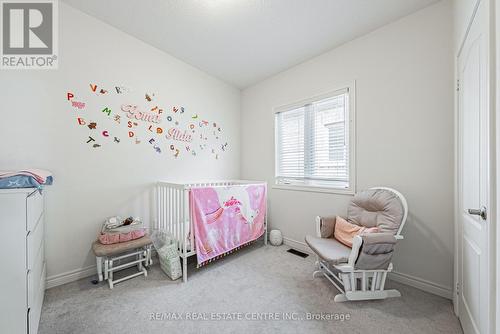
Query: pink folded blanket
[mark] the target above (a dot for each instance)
(40, 175)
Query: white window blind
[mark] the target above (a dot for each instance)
(312, 142)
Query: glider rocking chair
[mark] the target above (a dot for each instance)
(360, 272)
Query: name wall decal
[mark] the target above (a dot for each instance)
(134, 113)
(176, 134)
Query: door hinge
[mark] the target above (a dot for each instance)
(458, 289)
(458, 85)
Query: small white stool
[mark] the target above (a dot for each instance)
(138, 249)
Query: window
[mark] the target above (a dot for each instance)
(314, 142)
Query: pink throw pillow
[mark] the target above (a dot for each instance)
(344, 231)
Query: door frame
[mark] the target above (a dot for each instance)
(495, 26)
(494, 166)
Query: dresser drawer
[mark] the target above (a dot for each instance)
(35, 279)
(35, 310)
(34, 209)
(34, 241)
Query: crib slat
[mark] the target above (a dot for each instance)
(177, 224)
(174, 211)
(170, 209)
(190, 226)
(163, 207)
(166, 208)
(157, 204)
(160, 204)
(181, 224)
(182, 238)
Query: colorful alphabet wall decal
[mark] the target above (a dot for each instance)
(116, 115)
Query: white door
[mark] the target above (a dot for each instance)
(473, 174)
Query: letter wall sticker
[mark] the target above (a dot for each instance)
(149, 122)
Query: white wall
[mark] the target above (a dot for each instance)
(404, 98)
(39, 129)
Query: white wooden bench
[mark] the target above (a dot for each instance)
(139, 250)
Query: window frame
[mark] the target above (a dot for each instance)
(338, 189)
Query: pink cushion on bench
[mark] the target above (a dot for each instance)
(113, 238)
(119, 248)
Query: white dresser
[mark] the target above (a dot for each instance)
(22, 259)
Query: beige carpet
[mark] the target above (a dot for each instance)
(253, 284)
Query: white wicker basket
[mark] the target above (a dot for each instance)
(168, 253)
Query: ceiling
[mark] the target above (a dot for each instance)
(245, 41)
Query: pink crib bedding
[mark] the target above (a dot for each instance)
(226, 218)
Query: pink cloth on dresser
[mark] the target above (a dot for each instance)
(114, 238)
(40, 175)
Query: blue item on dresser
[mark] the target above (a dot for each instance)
(22, 181)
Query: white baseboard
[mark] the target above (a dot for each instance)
(75, 275)
(422, 284)
(416, 282)
(298, 245)
(70, 276)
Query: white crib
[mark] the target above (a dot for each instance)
(173, 214)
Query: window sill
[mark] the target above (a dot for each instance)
(316, 189)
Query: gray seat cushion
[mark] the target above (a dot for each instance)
(329, 249)
(376, 207)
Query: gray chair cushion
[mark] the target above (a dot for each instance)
(329, 249)
(376, 207)
(376, 251)
(327, 226)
